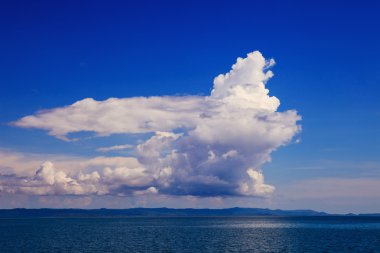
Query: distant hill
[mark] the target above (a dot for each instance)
(153, 212)
(161, 212)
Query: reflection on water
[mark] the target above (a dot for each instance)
(304, 222)
(255, 234)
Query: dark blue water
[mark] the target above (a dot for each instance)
(257, 234)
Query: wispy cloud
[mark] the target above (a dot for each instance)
(115, 148)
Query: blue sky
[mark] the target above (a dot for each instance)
(326, 52)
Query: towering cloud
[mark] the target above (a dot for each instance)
(200, 145)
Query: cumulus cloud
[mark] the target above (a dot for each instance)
(119, 179)
(200, 145)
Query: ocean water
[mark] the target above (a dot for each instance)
(254, 234)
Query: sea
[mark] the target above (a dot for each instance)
(191, 234)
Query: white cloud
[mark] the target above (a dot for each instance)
(120, 177)
(115, 148)
(128, 115)
(257, 185)
(202, 145)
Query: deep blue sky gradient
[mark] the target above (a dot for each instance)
(54, 53)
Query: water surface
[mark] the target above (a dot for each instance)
(253, 234)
